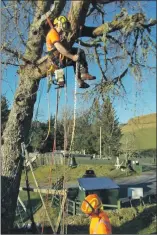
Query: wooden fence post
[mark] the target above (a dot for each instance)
(118, 204)
(74, 208)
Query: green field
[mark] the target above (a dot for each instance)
(43, 173)
(140, 133)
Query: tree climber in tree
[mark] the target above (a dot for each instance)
(62, 57)
(100, 223)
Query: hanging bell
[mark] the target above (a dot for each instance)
(72, 162)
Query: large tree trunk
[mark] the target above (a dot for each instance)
(19, 121)
(16, 132)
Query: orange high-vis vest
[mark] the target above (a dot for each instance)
(51, 38)
(100, 224)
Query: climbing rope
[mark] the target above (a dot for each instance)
(75, 98)
(64, 227)
(54, 146)
(74, 113)
(49, 116)
(36, 183)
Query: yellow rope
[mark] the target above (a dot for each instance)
(49, 72)
(49, 117)
(74, 116)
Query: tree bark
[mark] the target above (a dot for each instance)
(20, 117)
(129, 22)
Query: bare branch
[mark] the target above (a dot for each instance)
(8, 63)
(119, 78)
(16, 54)
(91, 44)
(98, 62)
(106, 1)
(152, 23)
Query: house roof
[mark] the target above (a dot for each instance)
(97, 183)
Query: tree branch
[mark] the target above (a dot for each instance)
(55, 9)
(8, 63)
(76, 17)
(128, 23)
(98, 62)
(15, 53)
(92, 44)
(106, 1)
(152, 23)
(119, 78)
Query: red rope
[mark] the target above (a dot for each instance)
(49, 22)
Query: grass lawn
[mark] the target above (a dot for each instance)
(44, 173)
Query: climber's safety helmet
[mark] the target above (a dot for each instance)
(91, 203)
(62, 22)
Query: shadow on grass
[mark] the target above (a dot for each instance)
(140, 222)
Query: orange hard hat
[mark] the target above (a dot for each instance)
(91, 203)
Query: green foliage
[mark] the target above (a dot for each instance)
(110, 130)
(87, 136)
(42, 137)
(4, 112)
(84, 137)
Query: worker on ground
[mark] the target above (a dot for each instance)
(100, 223)
(62, 57)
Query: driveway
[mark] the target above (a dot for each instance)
(147, 181)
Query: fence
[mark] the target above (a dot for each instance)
(38, 159)
(73, 207)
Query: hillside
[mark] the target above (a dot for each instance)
(140, 132)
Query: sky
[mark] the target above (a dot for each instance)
(139, 100)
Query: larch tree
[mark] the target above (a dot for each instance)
(24, 30)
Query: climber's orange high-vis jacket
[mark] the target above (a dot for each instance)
(51, 38)
(100, 224)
